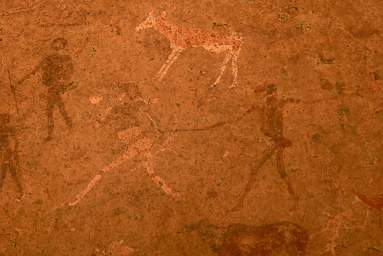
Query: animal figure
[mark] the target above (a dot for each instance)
(284, 238)
(181, 38)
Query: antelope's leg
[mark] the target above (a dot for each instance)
(234, 64)
(171, 59)
(252, 178)
(223, 67)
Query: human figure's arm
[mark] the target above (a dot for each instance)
(290, 101)
(32, 73)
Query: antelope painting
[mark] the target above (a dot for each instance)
(181, 38)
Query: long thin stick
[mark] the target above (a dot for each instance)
(13, 90)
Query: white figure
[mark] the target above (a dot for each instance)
(134, 136)
(181, 38)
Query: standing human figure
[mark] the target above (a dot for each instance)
(56, 70)
(8, 152)
(272, 127)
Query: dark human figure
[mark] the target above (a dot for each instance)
(57, 70)
(8, 152)
(271, 127)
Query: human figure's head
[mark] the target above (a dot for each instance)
(59, 43)
(271, 90)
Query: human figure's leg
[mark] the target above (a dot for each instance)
(63, 111)
(50, 106)
(282, 170)
(254, 170)
(155, 178)
(128, 155)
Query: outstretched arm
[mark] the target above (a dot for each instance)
(32, 73)
(285, 101)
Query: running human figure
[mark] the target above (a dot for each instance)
(137, 130)
(8, 152)
(56, 70)
(271, 127)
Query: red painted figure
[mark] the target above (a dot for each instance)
(57, 70)
(271, 127)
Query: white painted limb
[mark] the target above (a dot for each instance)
(234, 63)
(142, 145)
(223, 67)
(155, 178)
(128, 155)
(171, 59)
(88, 188)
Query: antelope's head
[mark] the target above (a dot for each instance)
(148, 23)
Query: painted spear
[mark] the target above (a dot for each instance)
(13, 90)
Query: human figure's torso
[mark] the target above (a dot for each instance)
(272, 115)
(57, 71)
(123, 116)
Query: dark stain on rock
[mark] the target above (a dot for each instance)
(283, 238)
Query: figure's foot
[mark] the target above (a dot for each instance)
(233, 85)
